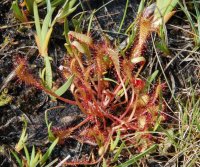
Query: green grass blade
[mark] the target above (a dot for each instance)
(17, 12)
(114, 143)
(119, 150)
(49, 151)
(37, 20)
(124, 16)
(138, 157)
(67, 9)
(141, 6)
(46, 23)
(51, 136)
(29, 5)
(19, 161)
(55, 3)
(27, 155)
(164, 7)
(198, 19)
(32, 156)
(150, 80)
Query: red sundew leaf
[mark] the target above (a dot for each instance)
(115, 59)
(80, 37)
(23, 74)
(138, 83)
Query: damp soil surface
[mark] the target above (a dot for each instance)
(17, 40)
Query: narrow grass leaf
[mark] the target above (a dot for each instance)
(37, 22)
(124, 16)
(104, 163)
(114, 143)
(141, 6)
(65, 86)
(44, 51)
(67, 9)
(32, 156)
(49, 151)
(138, 157)
(119, 150)
(19, 161)
(36, 159)
(55, 3)
(29, 5)
(27, 154)
(150, 79)
(17, 12)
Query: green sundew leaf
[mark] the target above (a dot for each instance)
(37, 21)
(27, 154)
(119, 150)
(48, 73)
(49, 151)
(113, 144)
(46, 23)
(65, 86)
(138, 157)
(150, 80)
(19, 161)
(164, 7)
(17, 12)
(29, 5)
